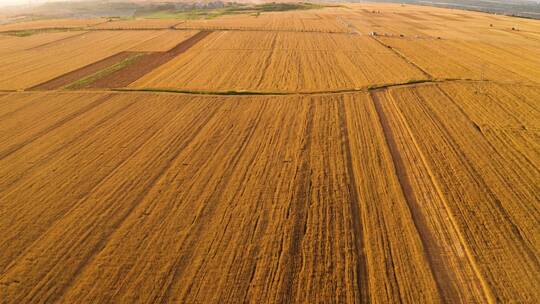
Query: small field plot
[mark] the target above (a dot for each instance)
(28, 68)
(281, 62)
(164, 41)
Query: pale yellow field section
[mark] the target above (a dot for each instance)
(276, 158)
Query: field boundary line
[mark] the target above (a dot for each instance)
(165, 28)
(365, 89)
(225, 29)
(56, 41)
(402, 56)
(39, 30)
(369, 88)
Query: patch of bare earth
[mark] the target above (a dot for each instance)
(129, 74)
(75, 75)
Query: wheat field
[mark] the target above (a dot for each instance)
(362, 153)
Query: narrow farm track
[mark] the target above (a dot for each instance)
(279, 158)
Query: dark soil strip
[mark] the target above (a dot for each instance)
(440, 272)
(90, 69)
(371, 88)
(127, 75)
(86, 81)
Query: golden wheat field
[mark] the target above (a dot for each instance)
(360, 153)
(281, 62)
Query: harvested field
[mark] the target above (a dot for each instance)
(10, 44)
(416, 227)
(475, 171)
(146, 64)
(429, 23)
(25, 69)
(473, 60)
(281, 62)
(73, 76)
(163, 42)
(284, 157)
(49, 24)
(296, 21)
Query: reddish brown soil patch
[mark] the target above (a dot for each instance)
(129, 74)
(75, 75)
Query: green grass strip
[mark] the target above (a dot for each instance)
(30, 32)
(83, 82)
(158, 90)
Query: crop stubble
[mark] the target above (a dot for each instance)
(407, 193)
(281, 62)
(251, 198)
(28, 68)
